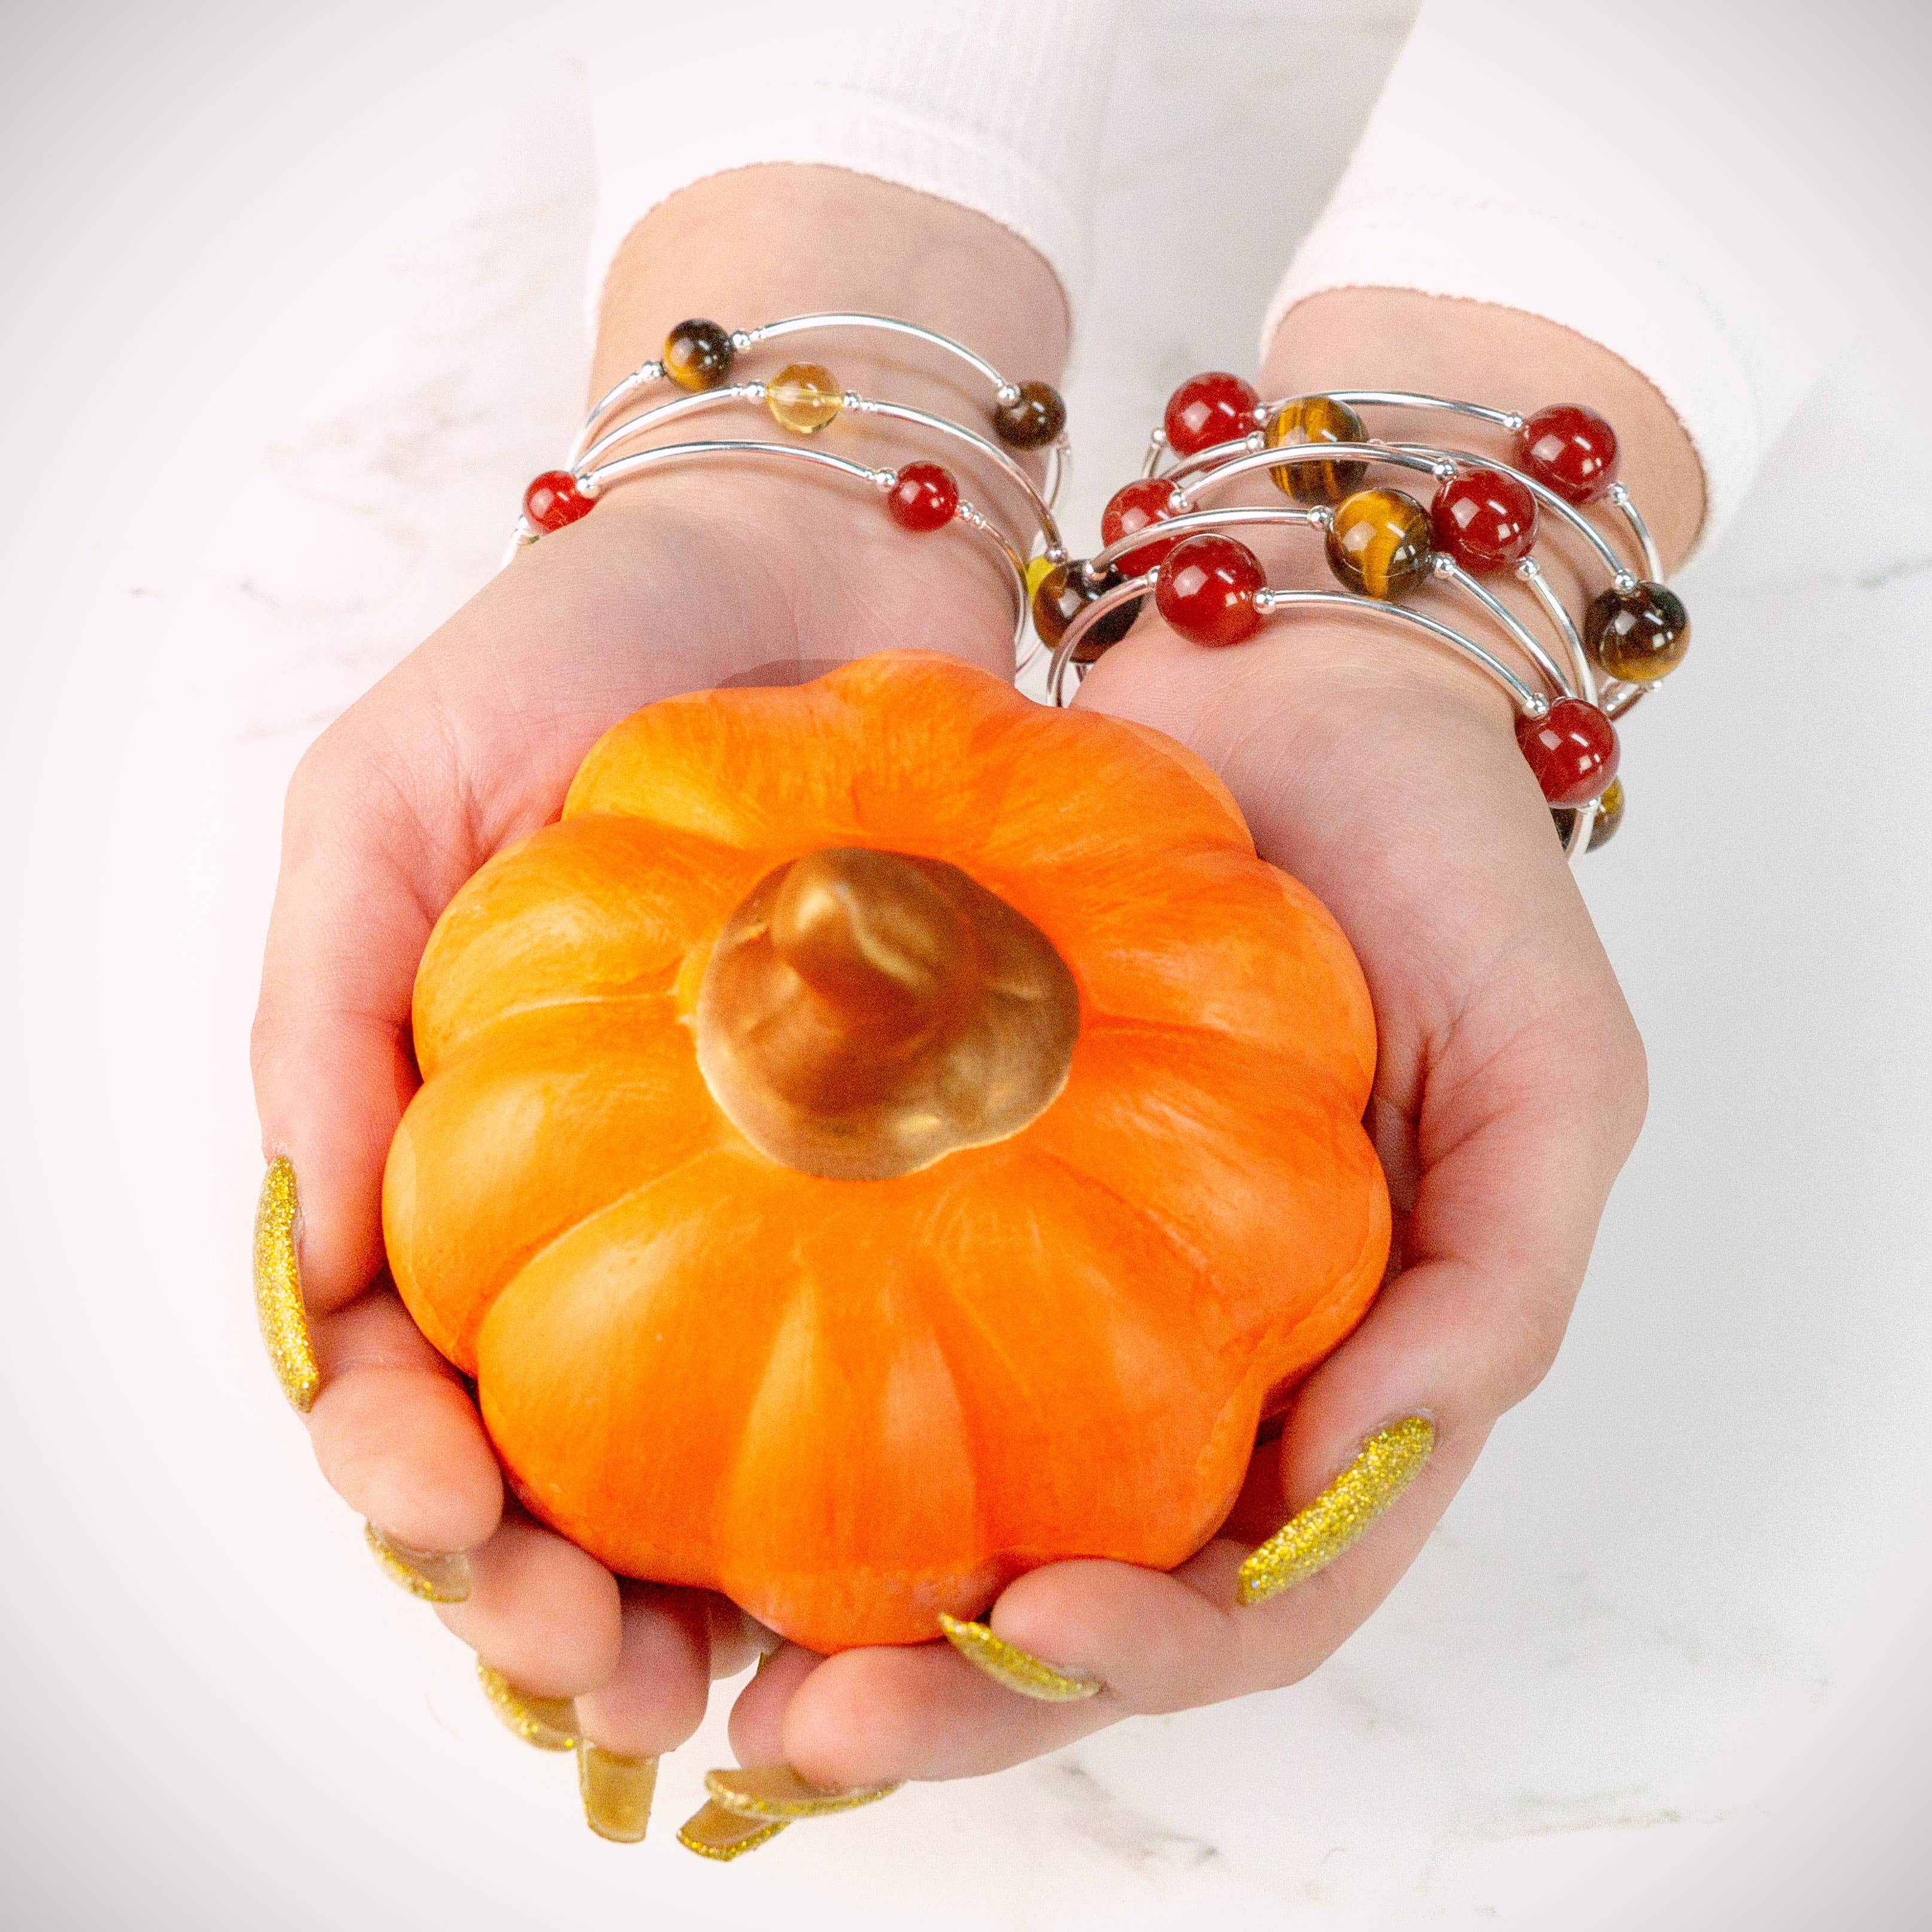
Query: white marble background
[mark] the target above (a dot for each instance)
(292, 310)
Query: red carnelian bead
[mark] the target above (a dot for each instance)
(1207, 410)
(1147, 499)
(1206, 589)
(924, 498)
(1483, 519)
(554, 500)
(1569, 449)
(1573, 750)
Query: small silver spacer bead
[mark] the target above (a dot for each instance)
(1442, 566)
(589, 487)
(885, 480)
(1254, 442)
(1321, 516)
(1157, 437)
(1007, 395)
(743, 338)
(1513, 422)
(1625, 580)
(1264, 600)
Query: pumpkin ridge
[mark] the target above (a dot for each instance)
(454, 1056)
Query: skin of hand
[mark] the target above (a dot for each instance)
(1385, 776)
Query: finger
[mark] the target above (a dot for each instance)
(655, 1697)
(397, 1435)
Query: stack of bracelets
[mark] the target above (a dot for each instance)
(1382, 543)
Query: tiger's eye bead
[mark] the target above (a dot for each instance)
(1316, 419)
(698, 355)
(554, 500)
(1569, 449)
(1061, 595)
(1206, 589)
(1484, 519)
(1034, 418)
(924, 498)
(1639, 635)
(804, 397)
(1147, 499)
(1603, 826)
(1378, 544)
(1215, 407)
(1573, 750)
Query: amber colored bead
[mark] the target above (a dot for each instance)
(698, 355)
(1060, 597)
(1638, 634)
(1603, 826)
(554, 500)
(1572, 748)
(1034, 418)
(1215, 407)
(1316, 419)
(1206, 589)
(1038, 569)
(1147, 499)
(1570, 450)
(1485, 519)
(804, 397)
(924, 498)
(1378, 544)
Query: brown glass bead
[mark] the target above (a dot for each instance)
(1034, 418)
(1378, 544)
(698, 355)
(1316, 419)
(1062, 595)
(1604, 827)
(1638, 634)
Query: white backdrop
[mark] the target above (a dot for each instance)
(293, 308)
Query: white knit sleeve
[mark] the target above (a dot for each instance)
(996, 105)
(1635, 174)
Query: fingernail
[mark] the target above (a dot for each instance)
(1017, 1670)
(550, 1724)
(616, 1792)
(278, 1294)
(716, 1833)
(429, 1575)
(776, 1791)
(1387, 1462)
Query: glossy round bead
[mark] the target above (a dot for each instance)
(1215, 407)
(1570, 449)
(1034, 418)
(554, 500)
(1206, 589)
(698, 355)
(1147, 499)
(924, 498)
(1038, 569)
(1316, 419)
(1062, 595)
(1572, 749)
(1484, 519)
(1603, 826)
(1638, 634)
(1378, 544)
(804, 397)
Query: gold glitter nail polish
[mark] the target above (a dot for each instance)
(1017, 1670)
(776, 1791)
(716, 1833)
(429, 1575)
(550, 1724)
(617, 1791)
(1387, 1462)
(278, 1295)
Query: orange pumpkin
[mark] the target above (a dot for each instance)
(886, 1136)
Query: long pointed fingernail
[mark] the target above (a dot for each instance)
(617, 1791)
(1387, 1462)
(550, 1724)
(716, 1833)
(775, 1791)
(429, 1575)
(1017, 1670)
(278, 1294)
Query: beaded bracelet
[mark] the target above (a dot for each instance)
(1382, 543)
(804, 398)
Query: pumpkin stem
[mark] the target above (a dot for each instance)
(864, 1013)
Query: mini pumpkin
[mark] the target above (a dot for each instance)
(886, 1136)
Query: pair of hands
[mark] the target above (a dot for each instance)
(1510, 1089)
